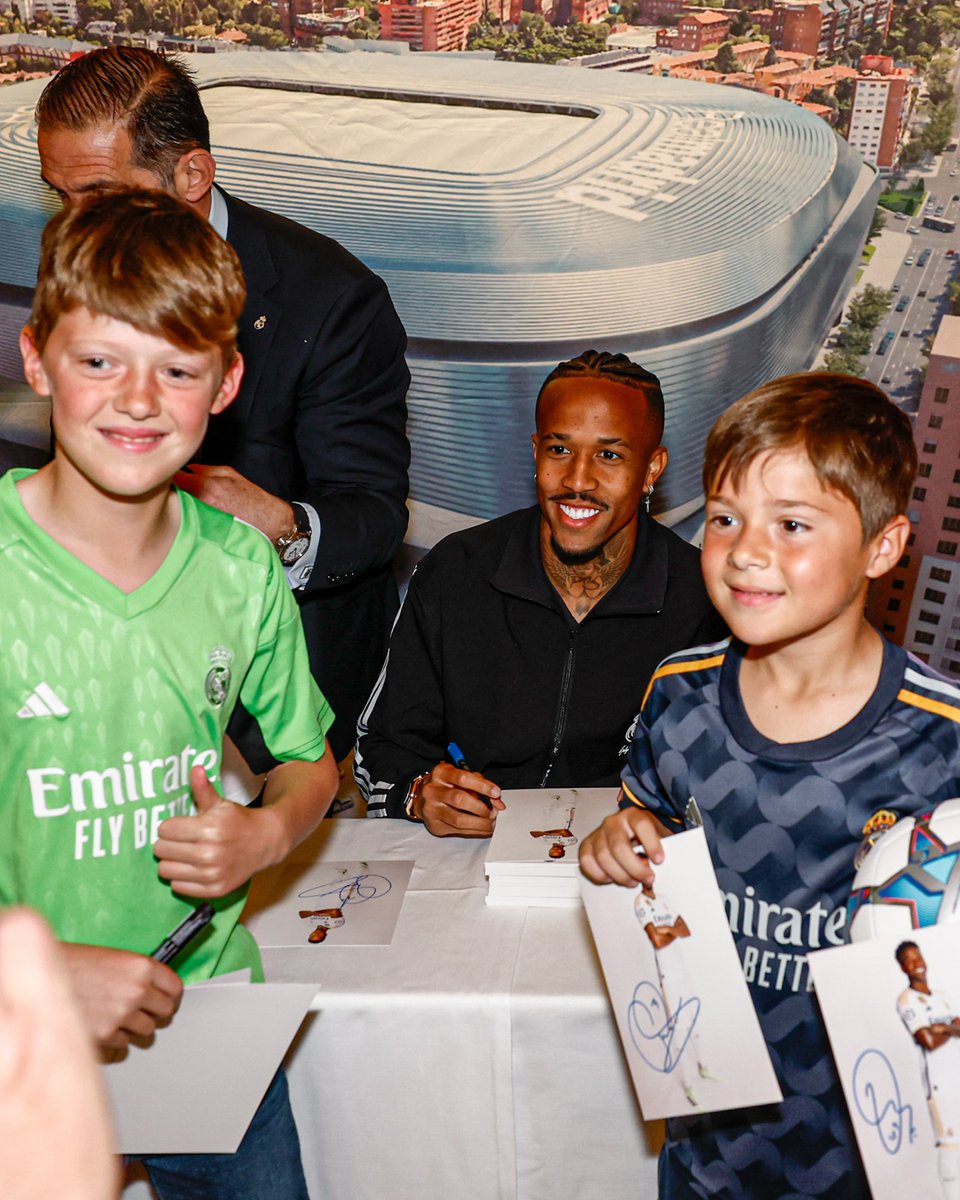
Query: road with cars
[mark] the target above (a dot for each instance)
(920, 288)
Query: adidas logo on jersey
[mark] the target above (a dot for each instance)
(43, 701)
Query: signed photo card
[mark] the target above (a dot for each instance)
(333, 904)
(683, 1010)
(892, 1010)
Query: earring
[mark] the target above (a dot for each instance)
(646, 498)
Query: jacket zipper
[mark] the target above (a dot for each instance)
(561, 709)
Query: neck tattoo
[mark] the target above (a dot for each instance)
(583, 585)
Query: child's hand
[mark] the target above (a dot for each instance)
(609, 854)
(218, 850)
(121, 994)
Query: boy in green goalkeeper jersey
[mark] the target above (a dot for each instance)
(134, 617)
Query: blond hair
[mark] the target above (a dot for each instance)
(144, 258)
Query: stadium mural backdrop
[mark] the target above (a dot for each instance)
(521, 213)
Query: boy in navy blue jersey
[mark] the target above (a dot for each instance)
(790, 737)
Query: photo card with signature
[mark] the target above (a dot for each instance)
(892, 1011)
(330, 904)
(683, 1010)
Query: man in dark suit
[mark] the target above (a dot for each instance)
(313, 452)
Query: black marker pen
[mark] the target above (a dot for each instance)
(184, 933)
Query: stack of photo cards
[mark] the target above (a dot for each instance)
(332, 904)
(683, 1009)
(892, 1011)
(533, 856)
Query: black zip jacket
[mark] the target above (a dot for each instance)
(486, 654)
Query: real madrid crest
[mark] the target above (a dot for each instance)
(216, 686)
(882, 820)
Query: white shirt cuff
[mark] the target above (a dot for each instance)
(302, 569)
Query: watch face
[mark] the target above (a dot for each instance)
(296, 550)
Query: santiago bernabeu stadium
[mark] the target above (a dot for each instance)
(520, 214)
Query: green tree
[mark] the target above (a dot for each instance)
(867, 309)
(726, 61)
(854, 340)
(877, 223)
(741, 25)
(844, 362)
(939, 128)
(820, 96)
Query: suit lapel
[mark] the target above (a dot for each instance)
(261, 315)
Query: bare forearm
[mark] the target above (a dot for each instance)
(224, 845)
(296, 797)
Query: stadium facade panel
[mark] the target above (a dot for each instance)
(708, 232)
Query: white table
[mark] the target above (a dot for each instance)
(474, 1058)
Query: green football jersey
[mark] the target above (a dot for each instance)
(110, 698)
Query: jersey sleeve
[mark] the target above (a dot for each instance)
(911, 1014)
(639, 779)
(279, 690)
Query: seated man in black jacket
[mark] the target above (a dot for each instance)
(529, 641)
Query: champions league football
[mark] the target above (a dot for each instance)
(909, 877)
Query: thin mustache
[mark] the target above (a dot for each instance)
(560, 499)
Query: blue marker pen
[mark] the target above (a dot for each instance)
(456, 757)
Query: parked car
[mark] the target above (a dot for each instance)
(904, 332)
(913, 229)
(895, 287)
(885, 379)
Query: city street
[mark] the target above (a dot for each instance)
(917, 267)
(917, 264)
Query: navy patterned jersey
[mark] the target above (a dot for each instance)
(783, 823)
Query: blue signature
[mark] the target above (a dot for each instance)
(658, 1034)
(351, 889)
(876, 1092)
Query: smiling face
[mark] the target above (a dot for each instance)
(597, 454)
(129, 408)
(914, 967)
(784, 558)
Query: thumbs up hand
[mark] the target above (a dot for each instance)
(221, 847)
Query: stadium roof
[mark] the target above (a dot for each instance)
(637, 204)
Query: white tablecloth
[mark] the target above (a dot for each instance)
(474, 1058)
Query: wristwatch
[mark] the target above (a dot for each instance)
(416, 787)
(295, 542)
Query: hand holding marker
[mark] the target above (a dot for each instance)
(184, 933)
(456, 757)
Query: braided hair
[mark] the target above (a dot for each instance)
(615, 368)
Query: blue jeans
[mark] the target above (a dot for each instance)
(266, 1165)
